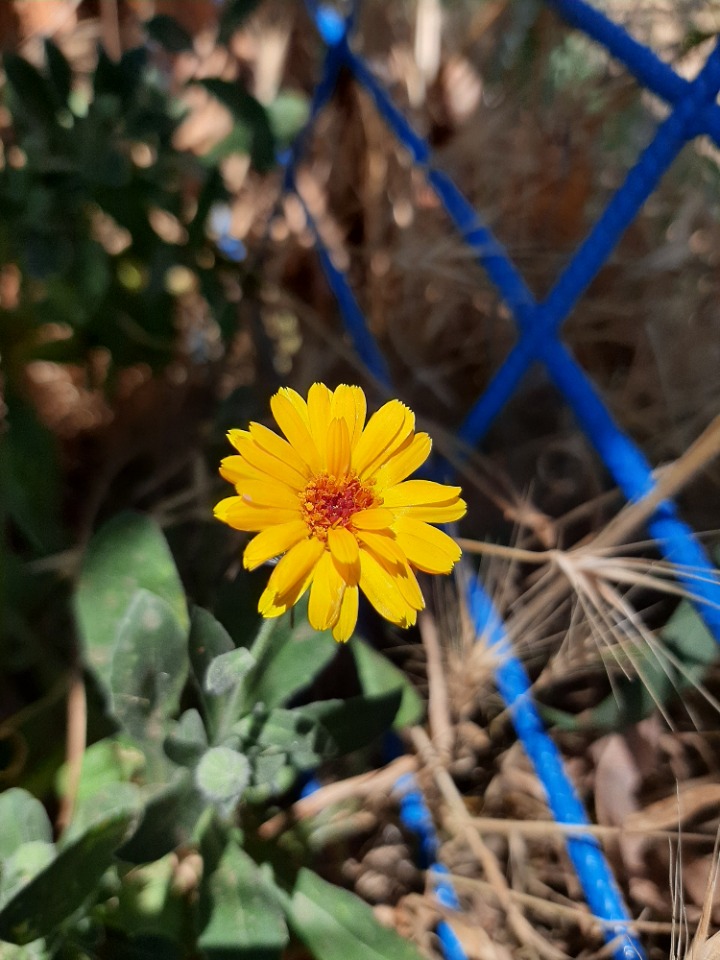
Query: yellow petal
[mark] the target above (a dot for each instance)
(319, 416)
(272, 542)
(426, 547)
(343, 545)
(411, 455)
(275, 445)
(242, 516)
(271, 605)
(343, 629)
(345, 552)
(266, 463)
(297, 401)
(268, 494)
(437, 512)
(290, 578)
(237, 436)
(410, 589)
(414, 493)
(386, 430)
(295, 429)
(349, 403)
(380, 587)
(236, 469)
(338, 448)
(374, 518)
(384, 546)
(295, 566)
(326, 594)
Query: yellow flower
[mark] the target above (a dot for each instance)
(333, 498)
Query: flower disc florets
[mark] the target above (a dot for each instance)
(332, 500)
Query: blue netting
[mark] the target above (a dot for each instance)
(539, 323)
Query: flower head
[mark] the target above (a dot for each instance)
(333, 498)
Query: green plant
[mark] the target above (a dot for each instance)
(206, 735)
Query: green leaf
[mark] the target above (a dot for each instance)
(187, 740)
(245, 921)
(222, 776)
(170, 817)
(26, 862)
(128, 554)
(149, 667)
(149, 904)
(356, 722)
(233, 15)
(272, 775)
(378, 675)
(38, 950)
(31, 90)
(110, 800)
(302, 739)
(105, 763)
(30, 478)
(59, 73)
(288, 659)
(23, 819)
(334, 923)
(228, 670)
(168, 33)
(288, 114)
(251, 114)
(64, 884)
(208, 640)
(120, 79)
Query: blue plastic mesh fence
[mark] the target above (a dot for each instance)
(539, 322)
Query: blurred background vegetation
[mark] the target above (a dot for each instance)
(156, 288)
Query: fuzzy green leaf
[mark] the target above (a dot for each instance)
(334, 923)
(222, 776)
(289, 656)
(187, 740)
(226, 671)
(149, 667)
(128, 554)
(245, 921)
(377, 675)
(59, 889)
(170, 816)
(354, 723)
(23, 819)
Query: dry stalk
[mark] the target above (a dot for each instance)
(363, 785)
(438, 707)
(75, 742)
(670, 480)
(521, 927)
(110, 27)
(703, 947)
(550, 828)
(551, 910)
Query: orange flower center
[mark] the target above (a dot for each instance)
(332, 502)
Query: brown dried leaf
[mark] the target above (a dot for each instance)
(670, 812)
